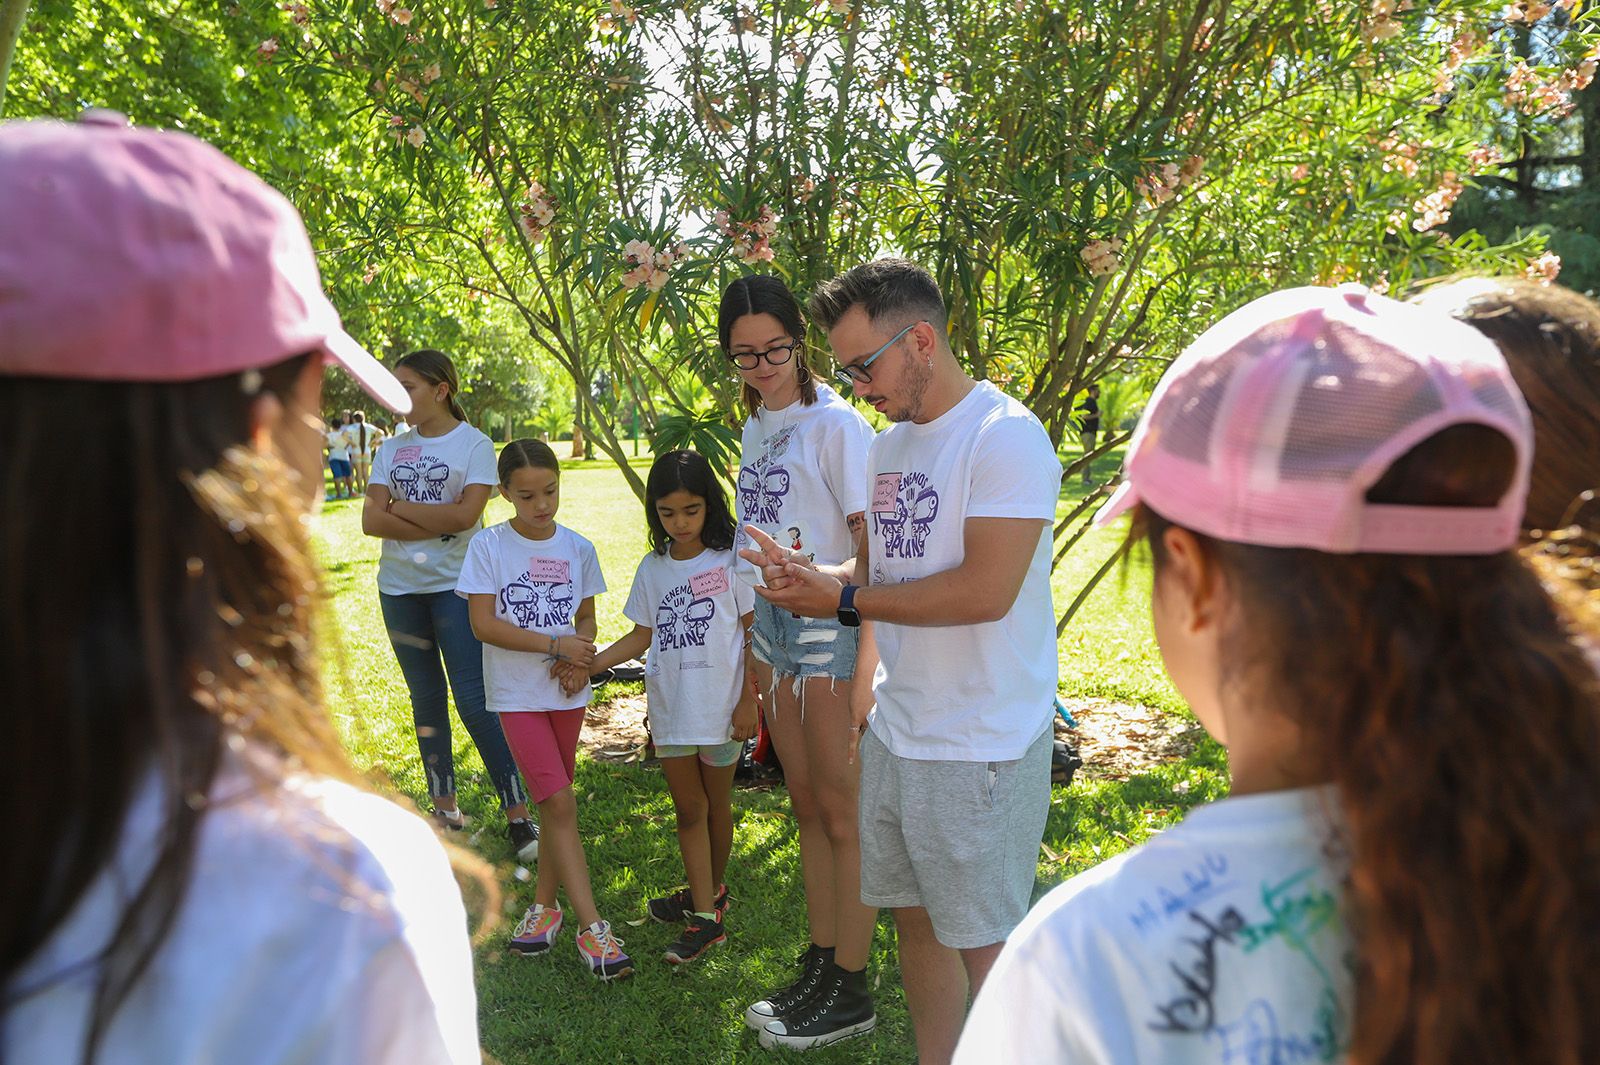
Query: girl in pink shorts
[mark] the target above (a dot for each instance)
(530, 586)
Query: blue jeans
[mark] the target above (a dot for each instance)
(421, 628)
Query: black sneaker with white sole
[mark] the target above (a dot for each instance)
(669, 909)
(699, 936)
(524, 836)
(813, 964)
(840, 1007)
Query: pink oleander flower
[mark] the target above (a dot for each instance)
(1483, 157)
(1526, 12)
(1103, 257)
(386, 6)
(491, 4)
(808, 189)
(1434, 208)
(1463, 46)
(1202, 35)
(839, 7)
(371, 273)
(1398, 156)
(267, 49)
(1545, 268)
(411, 89)
(401, 15)
(430, 73)
(299, 14)
(1301, 171)
(415, 136)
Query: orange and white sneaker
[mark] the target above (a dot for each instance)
(603, 952)
(536, 931)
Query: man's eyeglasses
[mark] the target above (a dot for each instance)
(777, 355)
(857, 373)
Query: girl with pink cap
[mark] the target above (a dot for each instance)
(1330, 485)
(191, 873)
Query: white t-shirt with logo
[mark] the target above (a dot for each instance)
(338, 444)
(321, 925)
(694, 671)
(1221, 940)
(430, 469)
(963, 692)
(538, 585)
(802, 471)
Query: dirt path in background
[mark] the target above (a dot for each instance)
(1115, 740)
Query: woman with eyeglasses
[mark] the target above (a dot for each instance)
(803, 474)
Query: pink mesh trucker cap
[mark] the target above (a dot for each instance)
(1270, 427)
(143, 255)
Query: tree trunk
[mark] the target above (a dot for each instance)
(12, 15)
(578, 450)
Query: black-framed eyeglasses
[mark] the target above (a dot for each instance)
(857, 373)
(777, 355)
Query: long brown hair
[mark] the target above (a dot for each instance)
(436, 368)
(1459, 722)
(765, 294)
(158, 606)
(1550, 337)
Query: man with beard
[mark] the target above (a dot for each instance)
(955, 684)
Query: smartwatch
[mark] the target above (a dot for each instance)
(848, 614)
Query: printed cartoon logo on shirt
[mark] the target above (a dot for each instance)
(904, 507)
(418, 477)
(541, 597)
(764, 483)
(683, 619)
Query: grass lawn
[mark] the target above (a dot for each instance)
(549, 1009)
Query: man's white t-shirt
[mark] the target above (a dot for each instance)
(537, 585)
(430, 469)
(694, 671)
(1221, 940)
(321, 925)
(802, 472)
(338, 444)
(981, 692)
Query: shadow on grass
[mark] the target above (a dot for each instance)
(550, 1009)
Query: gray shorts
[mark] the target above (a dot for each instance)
(959, 839)
(804, 647)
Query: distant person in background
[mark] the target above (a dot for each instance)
(1089, 427)
(191, 874)
(401, 426)
(364, 441)
(337, 444)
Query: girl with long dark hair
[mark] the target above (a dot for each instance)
(692, 615)
(803, 477)
(191, 876)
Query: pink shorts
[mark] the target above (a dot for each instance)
(545, 745)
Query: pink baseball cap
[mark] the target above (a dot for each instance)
(1270, 428)
(147, 255)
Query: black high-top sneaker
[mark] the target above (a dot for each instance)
(840, 1008)
(813, 963)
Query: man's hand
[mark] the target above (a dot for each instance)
(807, 593)
(861, 704)
(773, 560)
